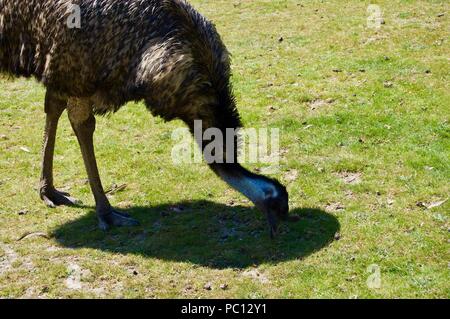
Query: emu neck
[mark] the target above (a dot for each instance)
(254, 187)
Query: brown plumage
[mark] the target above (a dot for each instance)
(160, 51)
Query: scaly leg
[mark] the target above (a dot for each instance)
(83, 124)
(54, 106)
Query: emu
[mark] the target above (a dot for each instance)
(162, 52)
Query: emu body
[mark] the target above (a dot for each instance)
(160, 51)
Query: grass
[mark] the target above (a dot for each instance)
(364, 118)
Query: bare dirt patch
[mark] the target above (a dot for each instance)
(256, 275)
(7, 258)
(319, 103)
(334, 207)
(350, 177)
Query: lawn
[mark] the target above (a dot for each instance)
(364, 120)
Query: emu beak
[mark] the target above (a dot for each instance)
(273, 223)
(273, 231)
(272, 218)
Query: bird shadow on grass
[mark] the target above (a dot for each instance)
(206, 234)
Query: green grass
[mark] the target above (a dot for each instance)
(395, 139)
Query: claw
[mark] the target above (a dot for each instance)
(115, 218)
(53, 198)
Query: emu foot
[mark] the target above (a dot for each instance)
(53, 198)
(115, 218)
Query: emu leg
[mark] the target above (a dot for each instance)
(83, 123)
(54, 106)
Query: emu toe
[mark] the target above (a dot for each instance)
(115, 218)
(53, 198)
